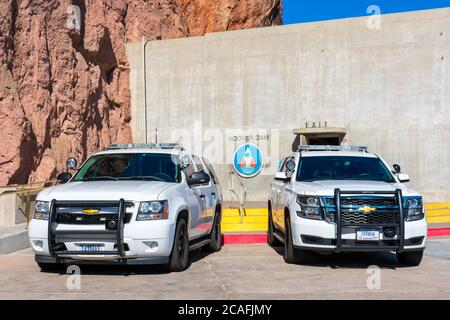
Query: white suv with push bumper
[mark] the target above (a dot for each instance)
(130, 204)
(344, 199)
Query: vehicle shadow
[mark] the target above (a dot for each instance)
(128, 270)
(357, 260)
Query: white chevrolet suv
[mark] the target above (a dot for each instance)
(344, 199)
(130, 204)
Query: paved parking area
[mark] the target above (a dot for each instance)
(238, 272)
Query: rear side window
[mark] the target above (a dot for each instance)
(198, 164)
(190, 169)
(212, 173)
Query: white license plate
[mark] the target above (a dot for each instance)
(368, 235)
(91, 248)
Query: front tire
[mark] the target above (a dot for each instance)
(179, 257)
(292, 255)
(410, 258)
(216, 235)
(271, 239)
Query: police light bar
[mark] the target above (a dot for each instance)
(332, 148)
(145, 146)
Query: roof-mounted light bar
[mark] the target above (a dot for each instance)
(145, 146)
(332, 148)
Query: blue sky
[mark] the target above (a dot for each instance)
(297, 11)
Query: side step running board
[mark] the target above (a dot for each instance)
(199, 244)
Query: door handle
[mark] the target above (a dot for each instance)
(213, 194)
(202, 196)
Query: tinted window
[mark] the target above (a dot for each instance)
(198, 164)
(212, 173)
(130, 166)
(343, 168)
(190, 168)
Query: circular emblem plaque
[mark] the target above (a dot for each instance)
(248, 160)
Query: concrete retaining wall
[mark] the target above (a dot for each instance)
(389, 88)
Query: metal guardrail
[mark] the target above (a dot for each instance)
(27, 195)
(240, 194)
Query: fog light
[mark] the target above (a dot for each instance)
(152, 244)
(111, 225)
(38, 244)
(389, 233)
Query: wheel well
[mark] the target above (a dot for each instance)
(183, 214)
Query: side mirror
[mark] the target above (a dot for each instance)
(63, 177)
(403, 177)
(290, 165)
(281, 176)
(199, 178)
(72, 163)
(397, 168)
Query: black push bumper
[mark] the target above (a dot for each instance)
(57, 250)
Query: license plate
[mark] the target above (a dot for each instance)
(368, 235)
(91, 248)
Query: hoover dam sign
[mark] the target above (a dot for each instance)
(248, 160)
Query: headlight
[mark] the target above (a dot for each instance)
(309, 208)
(41, 210)
(153, 210)
(414, 209)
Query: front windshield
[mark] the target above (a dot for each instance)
(342, 168)
(130, 166)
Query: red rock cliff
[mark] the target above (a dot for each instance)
(64, 86)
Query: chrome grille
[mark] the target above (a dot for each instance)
(386, 210)
(71, 212)
(376, 202)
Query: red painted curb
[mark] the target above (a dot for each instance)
(262, 238)
(441, 232)
(244, 238)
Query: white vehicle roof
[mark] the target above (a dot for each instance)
(141, 150)
(165, 148)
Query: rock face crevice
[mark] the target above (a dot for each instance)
(64, 89)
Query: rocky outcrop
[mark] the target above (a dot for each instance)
(64, 74)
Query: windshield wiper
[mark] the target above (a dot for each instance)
(100, 178)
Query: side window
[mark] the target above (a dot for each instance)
(198, 164)
(283, 165)
(190, 169)
(212, 173)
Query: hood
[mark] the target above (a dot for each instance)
(106, 190)
(326, 187)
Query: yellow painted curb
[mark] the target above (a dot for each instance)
(438, 212)
(234, 212)
(438, 205)
(247, 227)
(245, 219)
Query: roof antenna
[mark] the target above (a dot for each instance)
(156, 135)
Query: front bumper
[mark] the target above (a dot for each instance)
(321, 236)
(137, 236)
(341, 234)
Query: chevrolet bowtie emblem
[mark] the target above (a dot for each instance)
(90, 211)
(367, 209)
